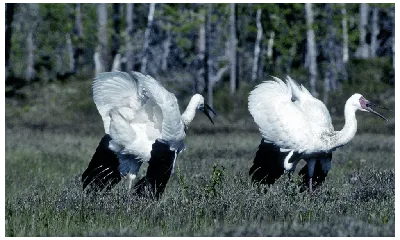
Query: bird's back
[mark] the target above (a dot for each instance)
(313, 108)
(280, 120)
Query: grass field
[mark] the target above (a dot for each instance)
(52, 132)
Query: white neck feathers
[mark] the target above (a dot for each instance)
(190, 112)
(350, 127)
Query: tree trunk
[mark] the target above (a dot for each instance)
(102, 61)
(270, 46)
(167, 48)
(345, 35)
(10, 7)
(33, 9)
(233, 55)
(392, 14)
(116, 66)
(311, 49)
(79, 50)
(129, 35)
(206, 66)
(329, 51)
(70, 52)
(116, 30)
(146, 50)
(374, 32)
(363, 49)
(257, 47)
(202, 54)
(213, 80)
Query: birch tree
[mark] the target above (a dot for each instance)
(101, 57)
(167, 47)
(206, 65)
(393, 41)
(78, 31)
(363, 49)
(311, 48)
(257, 46)
(374, 32)
(115, 56)
(233, 55)
(33, 11)
(128, 36)
(330, 71)
(270, 46)
(9, 19)
(70, 52)
(146, 50)
(345, 34)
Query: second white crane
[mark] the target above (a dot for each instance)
(295, 125)
(142, 122)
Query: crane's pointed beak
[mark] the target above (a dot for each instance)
(206, 109)
(369, 109)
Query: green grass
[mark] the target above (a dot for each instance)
(52, 133)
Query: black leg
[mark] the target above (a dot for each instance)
(158, 172)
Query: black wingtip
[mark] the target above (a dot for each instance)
(102, 172)
(158, 172)
(267, 165)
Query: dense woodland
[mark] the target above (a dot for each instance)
(199, 47)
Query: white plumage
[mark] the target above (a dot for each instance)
(137, 110)
(290, 118)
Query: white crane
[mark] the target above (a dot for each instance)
(294, 125)
(142, 122)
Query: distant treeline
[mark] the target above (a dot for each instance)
(196, 45)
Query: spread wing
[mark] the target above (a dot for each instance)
(280, 121)
(133, 120)
(172, 130)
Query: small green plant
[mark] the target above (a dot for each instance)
(215, 180)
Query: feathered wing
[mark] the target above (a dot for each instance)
(114, 90)
(280, 121)
(132, 119)
(314, 109)
(172, 130)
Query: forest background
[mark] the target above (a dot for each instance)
(53, 52)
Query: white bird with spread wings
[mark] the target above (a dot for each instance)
(136, 111)
(295, 125)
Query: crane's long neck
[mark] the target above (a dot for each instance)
(190, 112)
(350, 127)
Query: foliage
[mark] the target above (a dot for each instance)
(215, 180)
(287, 21)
